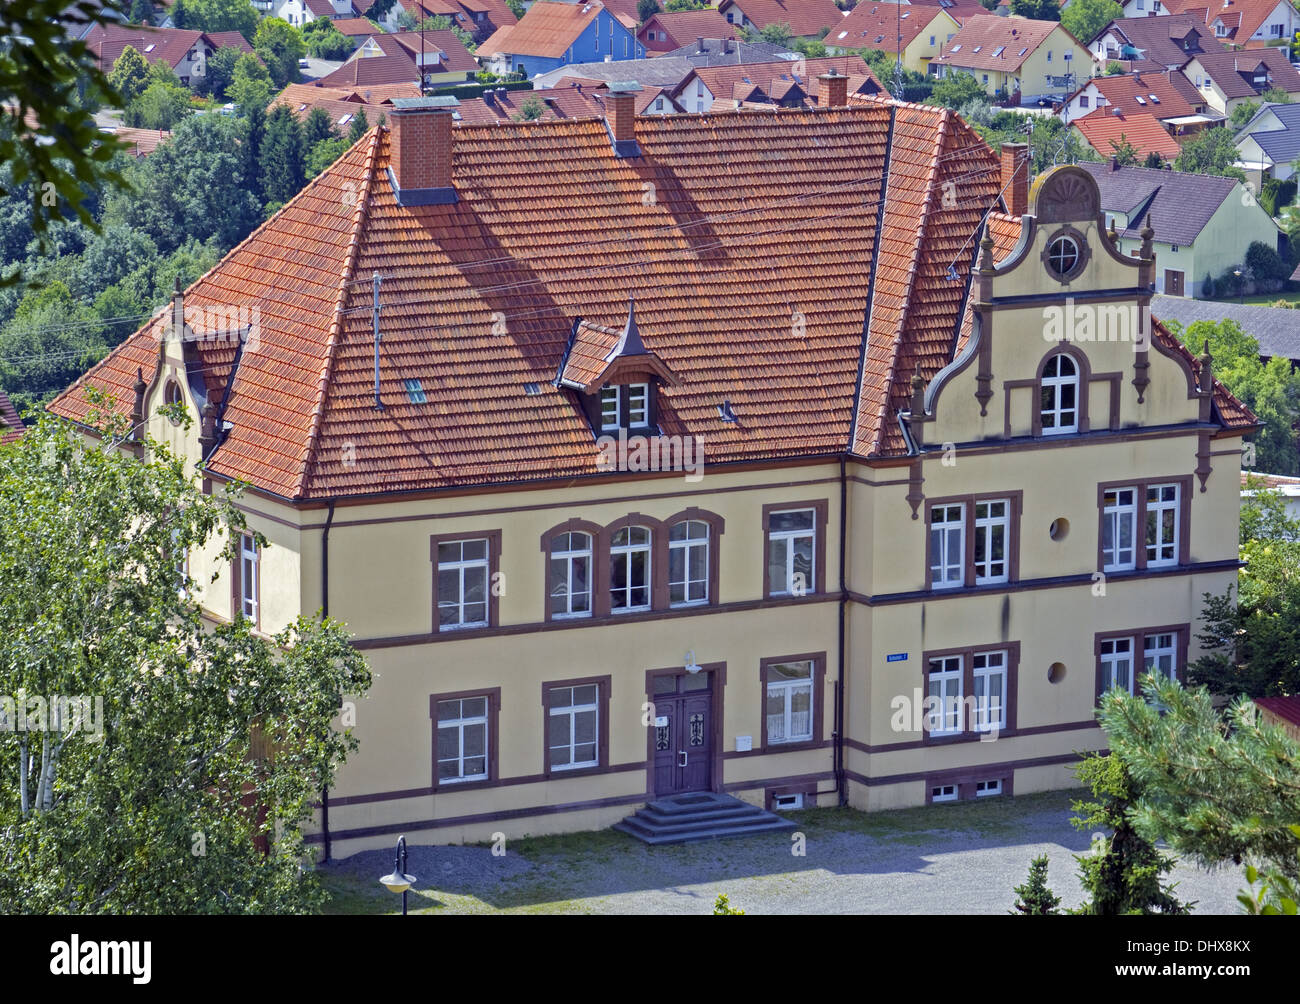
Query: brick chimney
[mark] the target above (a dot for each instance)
(835, 89)
(620, 117)
(421, 146)
(1015, 177)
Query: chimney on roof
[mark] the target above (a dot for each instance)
(835, 89)
(699, 44)
(726, 46)
(489, 97)
(1114, 163)
(1015, 177)
(620, 116)
(421, 146)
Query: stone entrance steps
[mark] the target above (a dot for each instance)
(699, 815)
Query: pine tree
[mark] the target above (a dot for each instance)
(141, 12)
(1034, 898)
(282, 156)
(318, 126)
(359, 126)
(255, 132)
(1122, 874)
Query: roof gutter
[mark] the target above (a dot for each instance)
(325, 612)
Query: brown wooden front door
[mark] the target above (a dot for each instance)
(683, 733)
(1173, 283)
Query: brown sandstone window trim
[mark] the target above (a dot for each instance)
(493, 538)
(1015, 506)
(493, 695)
(820, 509)
(967, 653)
(597, 572)
(1140, 486)
(717, 526)
(1182, 640)
(602, 726)
(818, 660)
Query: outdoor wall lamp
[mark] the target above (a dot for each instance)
(398, 880)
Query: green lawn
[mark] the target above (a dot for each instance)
(1264, 299)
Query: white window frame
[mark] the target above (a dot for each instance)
(459, 723)
(615, 393)
(1057, 383)
(945, 528)
(687, 546)
(250, 559)
(461, 566)
(625, 552)
(1112, 652)
(569, 556)
(571, 711)
(786, 690)
(984, 534)
(987, 667)
(788, 538)
(1113, 516)
(943, 793)
(1164, 650)
(984, 789)
(1154, 509)
(638, 414)
(945, 720)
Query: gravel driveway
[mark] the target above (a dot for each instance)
(963, 858)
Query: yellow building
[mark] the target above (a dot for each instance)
(920, 32)
(849, 506)
(1017, 59)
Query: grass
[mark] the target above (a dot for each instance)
(577, 872)
(1265, 299)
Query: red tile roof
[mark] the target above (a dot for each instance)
(1242, 18)
(1174, 94)
(1017, 38)
(228, 40)
(455, 57)
(740, 81)
(141, 142)
(805, 17)
(1103, 128)
(395, 66)
(547, 29)
(11, 426)
(559, 102)
(355, 26)
(756, 291)
(1234, 71)
(877, 25)
(170, 45)
(1268, 480)
(341, 102)
(686, 26)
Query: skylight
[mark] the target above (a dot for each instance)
(977, 48)
(999, 50)
(842, 34)
(532, 389)
(345, 119)
(414, 391)
(903, 16)
(1140, 99)
(1023, 51)
(1154, 100)
(150, 47)
(956, 48)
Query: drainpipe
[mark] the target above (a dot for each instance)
(839, 683)
(325, 612)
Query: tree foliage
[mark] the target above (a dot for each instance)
(1123, 873)
(646, 9)
(1215, 788)
(282, 158)
(281, 46)
(1034, 898)
(955, 88)
(250, 84)
(325, 41)
(1123, 151)
(130, 74)
(161, 106)
(1211, 151)
(1085, 19)
(216, 15)
(198, 744)
(1039, 10)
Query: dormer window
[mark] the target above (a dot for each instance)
(611, 401)
(638, 405)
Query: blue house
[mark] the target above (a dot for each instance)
(556, 33)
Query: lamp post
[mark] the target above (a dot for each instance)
(398, 880)
(1241, 287)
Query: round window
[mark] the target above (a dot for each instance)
(1063, 256)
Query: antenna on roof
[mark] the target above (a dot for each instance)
(374, 313)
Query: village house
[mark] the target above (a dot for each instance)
(1154, 43)
(481, 18)
(1016, 59)
(1168, 97)
(552, 34)
(439, 58)
(1228, 79)
(669, 69)
(666, 32)
(299, 13)
(1274, 328)
(928, 480)
(805, 18)
(342, 103)
(1202, 223)
(1246, 23)
(1269, 144)
(1106, 130)
(780, 82)
(186, 52)
(918, 30)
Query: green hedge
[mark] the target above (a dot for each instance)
(476, 90)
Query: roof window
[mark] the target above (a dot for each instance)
(414, 391)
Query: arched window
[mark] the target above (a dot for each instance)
(629, 569)
(688, 563)
(1059, 409)
(569, 576)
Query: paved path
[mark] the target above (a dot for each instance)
(963, 858)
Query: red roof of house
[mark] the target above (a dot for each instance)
(455, 59)
(395, 66)
(355, 26)
(547, 29)
(1268, 480)
(1103, 128)
(1242, 18)
(228, 40)
(992, 42)
(1174, 94)
(877, 25)
(141, 142)
(551, 229)
(741, 81)
(559, 102)
(805, 17)
(11, 426)
(685, 26)
(1286, 708)
(170, 45)
(343, 103)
